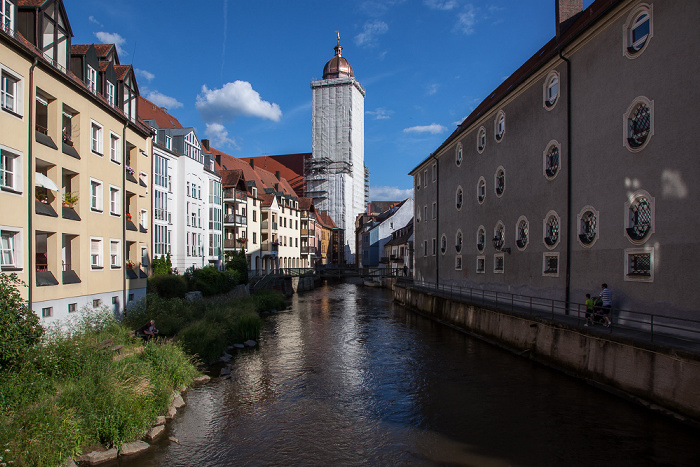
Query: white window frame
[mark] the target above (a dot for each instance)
(630, 48)
(579, 231)
(626, 123)
(481, 264)
(114, 149)
(425, 178)
(628, 221)
(434, 173)
(496, 257)
(96, 200)
(10, 79)
(545, 157)
(458, 262)
(443, 244)
(7, 17)
(545, 263)
(500, 226)
(480, 231)
(459, 241)
(91, 79)
(114, 200)
(434, 209)
(459, 154)
(481, 188)
(499, 126)
(97, 257)
(11, 162)
(545, 221)
(481, 140)
(495, 181)
(459, 194)
(15, 245)
(551, 82)
(109, 93)
(522, 219)
(115, 260)
(629, 253)
(96, 138)
(143, 218)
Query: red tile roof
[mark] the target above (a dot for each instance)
(149, 111)
(31, 3)
(325, 220)
(263, 179)
(273, 164)
(79, 49)
(103, 49)
(230, 178)
(121, 70)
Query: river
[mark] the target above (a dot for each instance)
(346, 377)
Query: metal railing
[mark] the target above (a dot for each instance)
(651, 326)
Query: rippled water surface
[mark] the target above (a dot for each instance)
(345, 377)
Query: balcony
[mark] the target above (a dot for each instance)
(305, 249)
(231, 194)
(264, 225)
(304, 232)
(69, 276)
(42, 136)
(270, 247)
(235, 219)
(44, 277)
(68, 148)
(44, 209)
(69, 213)
(229, 243)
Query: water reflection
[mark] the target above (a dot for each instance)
(347, 378)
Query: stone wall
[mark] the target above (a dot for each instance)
(660, 378)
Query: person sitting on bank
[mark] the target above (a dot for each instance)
(589, 310)
(606, 303)
(148, 330)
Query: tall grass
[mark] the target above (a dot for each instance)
(68, 393)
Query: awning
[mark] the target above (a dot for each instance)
(45, 182)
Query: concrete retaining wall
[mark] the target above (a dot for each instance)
(660, 378)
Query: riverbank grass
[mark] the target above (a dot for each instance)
(70, 392)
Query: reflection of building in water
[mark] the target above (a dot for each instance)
(336, 174)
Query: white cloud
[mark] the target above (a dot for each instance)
(378, 8)
(233, 100)
(218, 135)
(147, 75)
(370, 31)
(380, 114)
(445, 5)
(389, 193)
(161, 100)
(93, 20)
(466, 20)
(112, 38)
(433, 128)
(433, 89)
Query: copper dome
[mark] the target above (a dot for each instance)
(338, 66)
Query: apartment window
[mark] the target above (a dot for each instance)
(522, 232)
(425, 213)
(459, 241)
(587, 226)
(110, 93)
(499, 263)
(8, 254)
(500, 181)
(47, 312)
(458, 262)
(481, 239)
(459, 198)
(459, 154)
(114, 148)
(481, 140)
(434, 172)
(10, 91)
(96, 253)
(115, 254)
(188, 188)
(499, 236)
(7, 16)
(95, 195)
(639, 222)
(639, 122)
(481, 190)
(255, 237)
(434, 246)
(500, 125)
(144, 256)
(425, 247)
(551, 90)
(638, 31)
(160, 172)
(425, 178)
(639, 264)
(114, 201)
(168, 142)
(115, 300)
(10, 170)
(418, 181)
(96, 138)
(72, 307)
(434, 210)
(551, 229)
(443, 244)
(96, 303)
(480, 264)
(91, 79)
(551, 160)
(550, 264)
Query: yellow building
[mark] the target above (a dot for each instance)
(69, 129)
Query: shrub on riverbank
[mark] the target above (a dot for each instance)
(205, 328)
(68, 392)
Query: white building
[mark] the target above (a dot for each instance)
(335, 173)
(187, 207)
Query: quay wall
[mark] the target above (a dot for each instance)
(663, 379)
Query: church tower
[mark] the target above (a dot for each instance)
(335, 174)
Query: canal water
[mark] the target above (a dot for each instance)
(346, 377)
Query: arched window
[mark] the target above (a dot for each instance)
(500, 125)
(481, 239)
(459, 154)
(640, 217)
(500, 181)
(551, 229)
(459, 198)
(551, 160)
(551, 90)
(481, 190)
(587, 226)
(639, 120)
(481, 140)
(443, 244)
(522, 233)
(458, 241)
(499, 236)
(638, 31)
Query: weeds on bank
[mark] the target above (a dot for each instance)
(67, 392)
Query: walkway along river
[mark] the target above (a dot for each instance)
(346, 377)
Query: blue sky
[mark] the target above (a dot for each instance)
(240, 71)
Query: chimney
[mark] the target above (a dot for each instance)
(252, 163)
(277, 174)
(565, 12)
(205, 143)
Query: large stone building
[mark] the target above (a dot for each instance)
(335, 174)
(74, 203)
(578, 169)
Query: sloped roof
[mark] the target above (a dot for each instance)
(306, 204)
(31, 3)
(149, 111)
(325, 220)
(405, 235)
(79, 49)
(273, 164)
(103, 49)
(230, 178)
(121, 70)
(263, 179)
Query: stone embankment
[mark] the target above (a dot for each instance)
(662, 378)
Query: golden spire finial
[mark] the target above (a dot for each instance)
(338, 33)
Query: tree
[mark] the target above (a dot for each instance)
(162, 265)
(19, 325)
(239, 264)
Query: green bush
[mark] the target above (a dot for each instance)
(168, 285)
(205, 339)
(239, 264)
(162, 265)
(19, 326)
(266, 300)
(210, 281)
